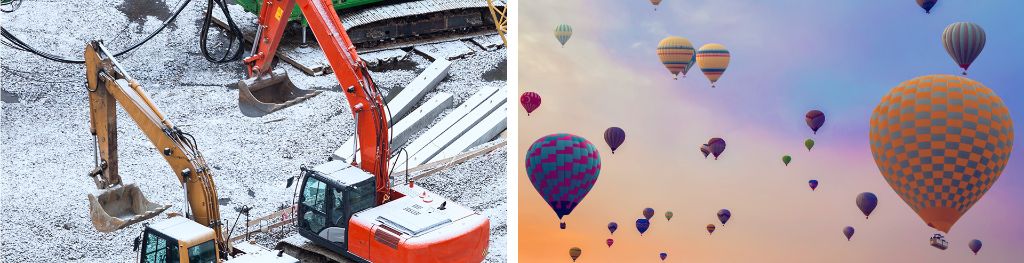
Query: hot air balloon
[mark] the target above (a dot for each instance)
(711, 228)
(809, 144)
(642, 225)
(563, 32)
(648, 213)
(975, 245)
(561, 225)
(848, 232)
(612, 227)
(724, 215)
(609, 242)
(563, 167)
(614, 136)
(574, 253)
(705, 149)
(964, 42)
(867, 202)
(663, 255)
(668, 215)
(717, 146)
(972, 133)
(927, 5)
(655, 3)
(713, 59)
(675, 53)
(786, 159)
(814, 119)
(693, 61)
(813, 184)
(530, 101)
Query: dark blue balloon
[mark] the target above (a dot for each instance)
(642, 225)
(614, 136)
(813, 184)
(867, 202)
(724, 215)
(612, 227)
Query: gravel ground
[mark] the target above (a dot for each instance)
(47, 149)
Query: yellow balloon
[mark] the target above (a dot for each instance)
(676, 53)
(713, 59)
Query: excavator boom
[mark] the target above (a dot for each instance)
(116, 205)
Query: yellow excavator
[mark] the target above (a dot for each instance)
(196, 237)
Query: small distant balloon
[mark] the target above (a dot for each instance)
(561, 225)
(614, 136)
(975, 245)
(867, 202)
(612, 227)
(815, 119)
(717, 146)
(809, 144)
(711, 228)
(848, 232)
(724, 215)
(813, 184)
(655, 3)
(642, 225)
(668, 215)
(706, 150)
(574, 253)
(713, 59)
(786, 159)
(964, 42)
(663, 255)
(927, 5)
(530, 101)
(648, 213)
(609, 242)
(563, 32)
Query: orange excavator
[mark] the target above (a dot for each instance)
(351, 209)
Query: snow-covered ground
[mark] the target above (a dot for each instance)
(47, 149)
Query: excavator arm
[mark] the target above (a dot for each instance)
(364, 99)
(116, 205)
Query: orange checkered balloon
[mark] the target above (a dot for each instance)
(941, 141)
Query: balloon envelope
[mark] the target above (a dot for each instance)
(815, 119)
(614, 136)
(813, 184)
(724, 215)
(675, 54)
(705, 149)
(848, 232)
(964, 42)
(655, 3)
(563, 168)
(574, 253)
(563, 32)
(612, 227)
(975, 245)
(642, 225)
(710, 228)
(809, 144)
(713, 59)
(867, 202)
(941, 142)
(663, 255)
(927, 5)
(668, 215)
(530, 101)
(786, 159)
(648, 213)
(609, 242)
(717, 146)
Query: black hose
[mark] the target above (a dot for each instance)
(234, 34)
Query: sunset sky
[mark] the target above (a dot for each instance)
(788, 57)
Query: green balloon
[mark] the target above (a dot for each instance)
(668, 215)
(786, 159)
(809, 143)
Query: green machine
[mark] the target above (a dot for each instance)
(253, 6)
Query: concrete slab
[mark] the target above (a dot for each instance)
(401, 131)
(446, 50)
(402, 103)
(481, 133)
(443, 134)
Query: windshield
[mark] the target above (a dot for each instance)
(202, 253)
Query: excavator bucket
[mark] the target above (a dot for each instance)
(121, 206)
(272, 92)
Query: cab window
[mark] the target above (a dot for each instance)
(314, 194)
(202, 253)
(158, 249)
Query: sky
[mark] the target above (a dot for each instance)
(788, 57)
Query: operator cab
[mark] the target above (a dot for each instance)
(330, 194)
(178, 240)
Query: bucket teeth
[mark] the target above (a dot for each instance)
(272, 93)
